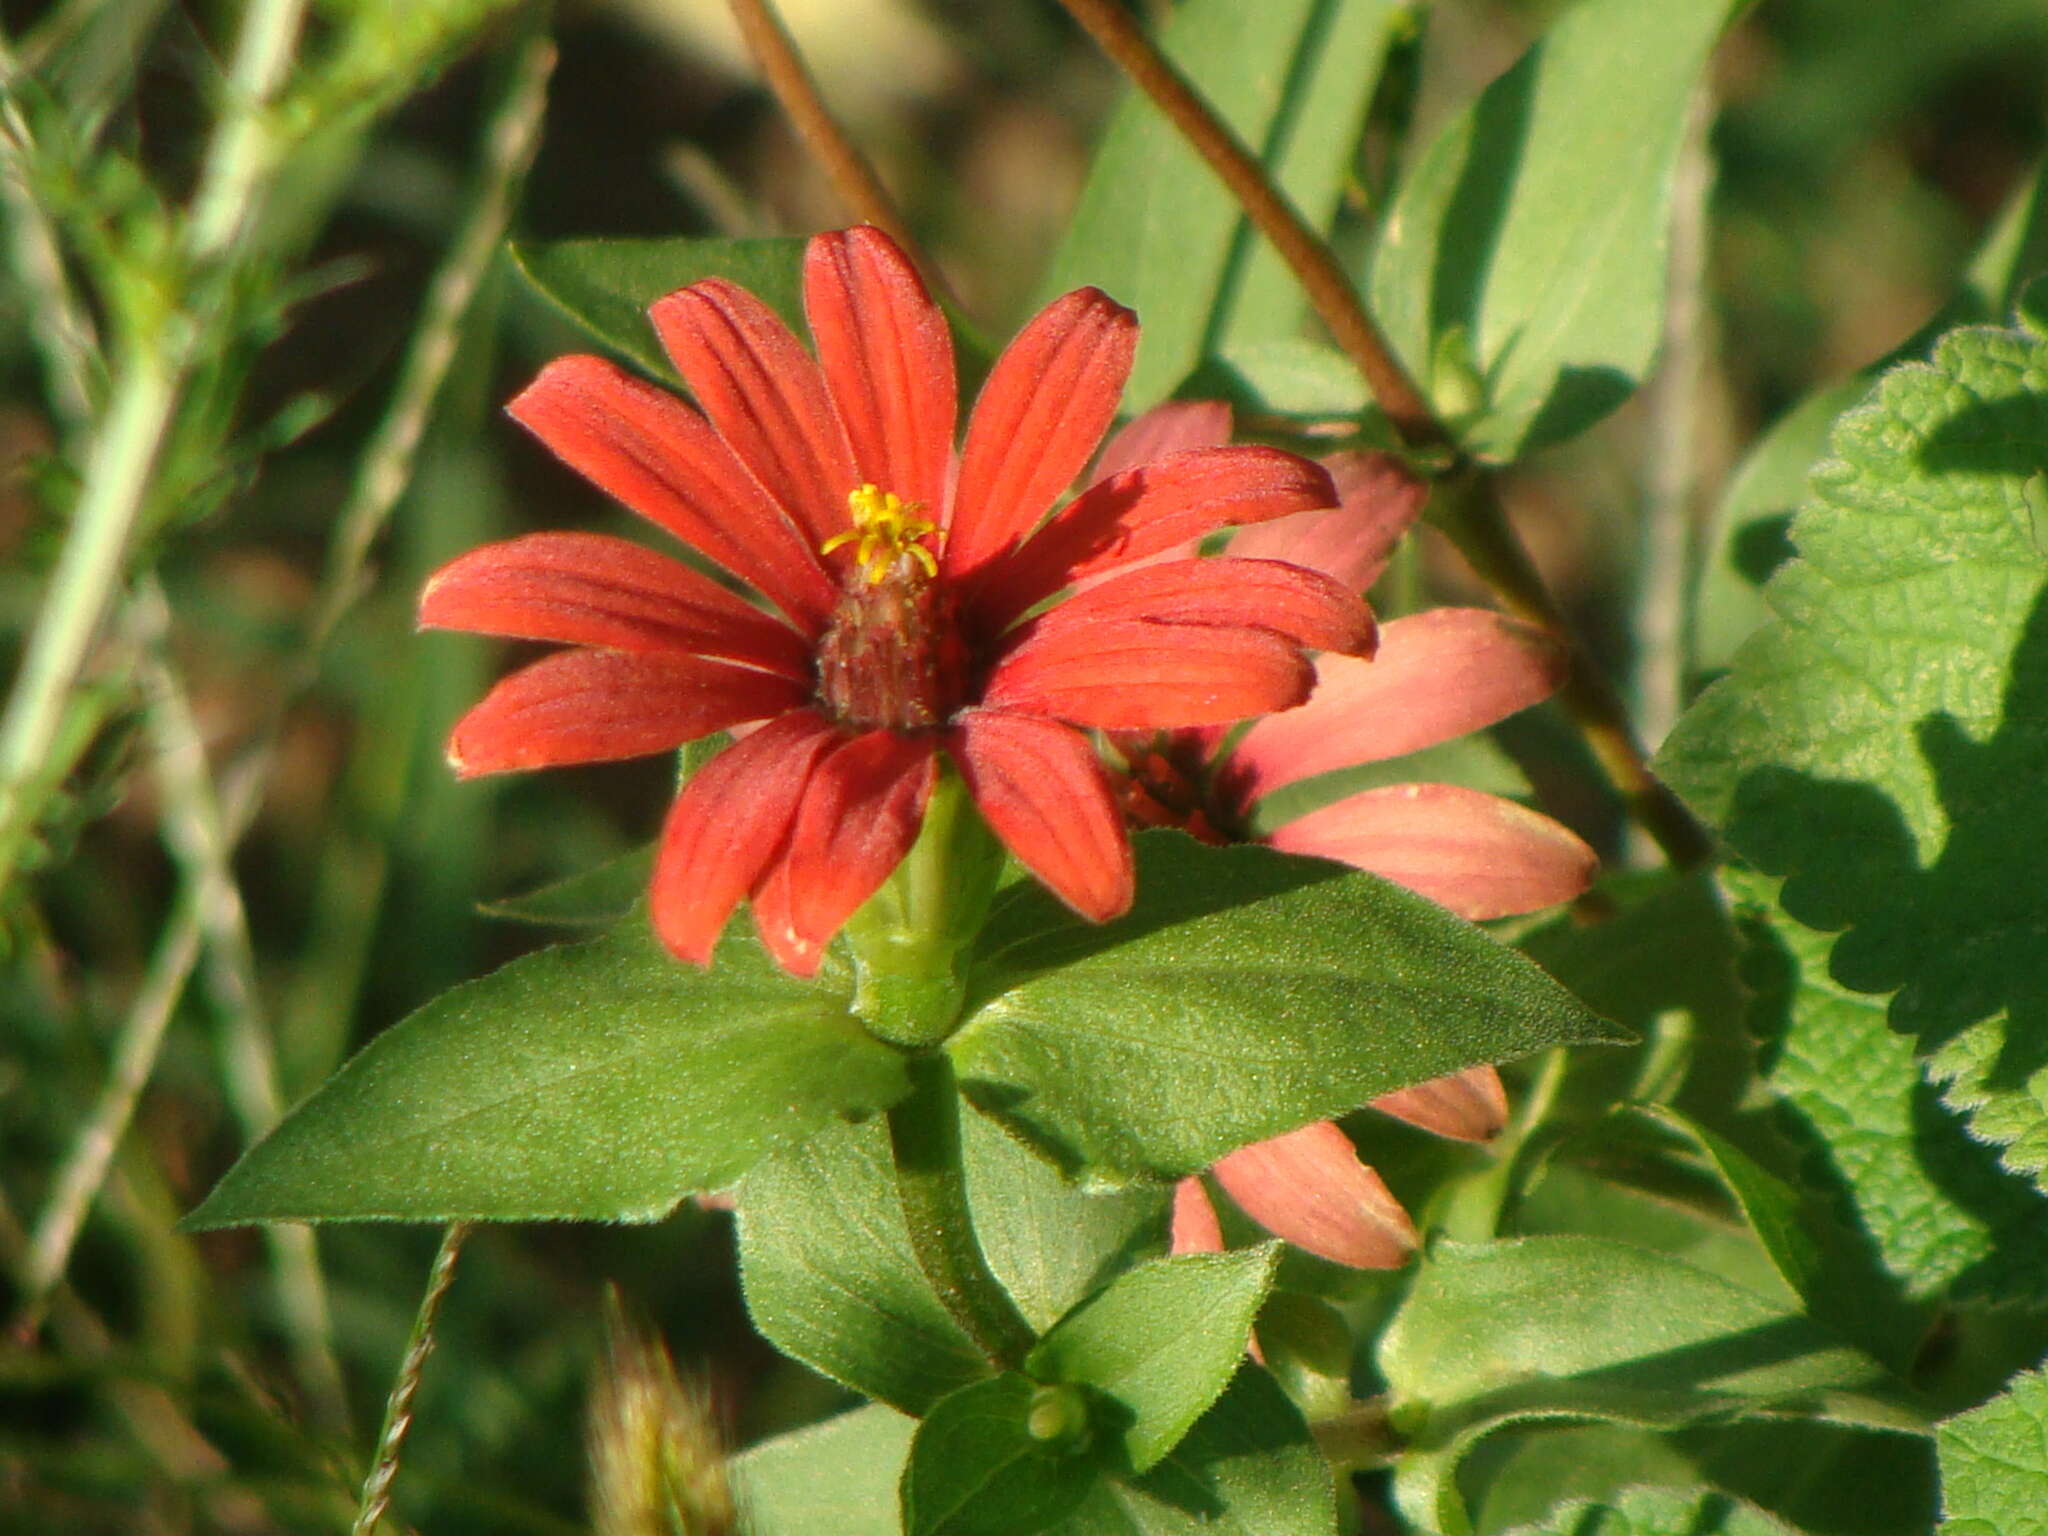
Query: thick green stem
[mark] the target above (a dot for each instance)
(924, 1136)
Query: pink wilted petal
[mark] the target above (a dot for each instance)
(1436, 675)
(598, 706)
(732, 818)
(1379, 499)
(1042, 791)
(1143, 511)
(861, 812)
(1465, 1106)
(1123, 674)
(1174, 427)
(1047, 402)
(647, 449)
(765, 395)
(888, 361)
(1195, 1228)
(1477, 854)
(591, 589)
(1309, 1187)
(1305, 606)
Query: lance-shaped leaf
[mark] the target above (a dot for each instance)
(1161, 1341)
(1537, 225)
(830, 1278)
(600, 1081)
(1884, 741)
(605, 286)
(1247, 993)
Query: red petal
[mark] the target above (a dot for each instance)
(732, 818)
(861, 812)
(1437, 675)
(1378, 501)
(1047, 402)
(1195, 1227)
(1477, 854)
(1130, 675)
(1042, 790)
(1305, 606)
(1466, 1106)
(595, 706)
(888, 361)
(765, 395)
(649, 450)
(1309, 1187)
(591, 589)
(1142, 511)
(1174, 427)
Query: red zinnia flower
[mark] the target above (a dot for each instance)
(901, 595)
(1436, 675)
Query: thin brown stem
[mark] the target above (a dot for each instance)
(1471, 515)
(1322, 277)
(845, 167)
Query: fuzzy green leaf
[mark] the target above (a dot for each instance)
(1994, 1464)
(838, 1476)
(1538, 222)
(1657, 1512)
(605, 286)
(830, 1278)
(1161, 1341)
(590, 898)
(1883, 741)
(600, 1081)
(1247, 993)
(1156, 230)
(976, 1469)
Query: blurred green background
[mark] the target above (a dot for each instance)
(1858, 150)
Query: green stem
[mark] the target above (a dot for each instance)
(398, 1406)
(924, 1136)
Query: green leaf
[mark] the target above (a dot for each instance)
(976, 1468)
(1162, 1341)
(1156, 230)
(1247, 992)
(605, 286)
(838, 1476)
(1577, 1328)
(1939, 1213)
(592, 898)
(1657, 1512)
(600, 1081)
(830, 1277)
(1539, 220)
(1050, 1241)
(1994, 1464)
(1883, 741)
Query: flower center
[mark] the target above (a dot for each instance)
(891, 657)
(1164, 785)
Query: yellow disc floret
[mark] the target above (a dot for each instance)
(887, 532)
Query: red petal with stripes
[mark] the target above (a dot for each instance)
(1379, 499)
(1174, 427)
(591, 589)
(1305, 606)
(861, 812)
(1130, 675)
(765, 395)
(1042, 791)
(1471, 1105)
(888, 361)
(648, 449)
(1155, 507)
(1309, 1187)
(596, 706)
(730, 821)
(1437, 675)
(1475, 853)
(1047, 402)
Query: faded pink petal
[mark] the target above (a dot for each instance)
(1170, 428)
(1195, 1228)
(1309, 1187)
(1436, 675)
(1305, 606)
(1475, 853)
(1379, 499)
(1465, 1106)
